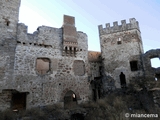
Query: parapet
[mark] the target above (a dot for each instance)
(133, 24)
(44, 36)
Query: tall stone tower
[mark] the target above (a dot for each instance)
(8, 31)
(121, 47)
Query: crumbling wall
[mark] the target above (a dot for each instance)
(50, 87)
(152, 75)
(95, 64)
(95, 74)
(156, 98)
(5, 99)
(149, 71)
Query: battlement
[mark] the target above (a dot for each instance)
(133, 24)
(44, 36)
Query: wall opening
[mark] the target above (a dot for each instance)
(18, 101)
(43, 65)
(134, 65)
(77, 116)
(119, 41)
(99, 93)
(7, 23)
(70, 100)
(66, 50)
(122, 80)
(155, 62)
(157, 77)
(74, 50)
(100, 70)
(70, 50)
(94, 94)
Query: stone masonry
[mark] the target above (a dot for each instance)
(54, 66)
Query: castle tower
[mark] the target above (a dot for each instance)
(8, 31)
(69, 36)
(9, 16)
(121, 47)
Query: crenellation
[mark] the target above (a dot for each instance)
(107, 25)
(123, 22)
(22, 28)
(115, 23)
(133, 24)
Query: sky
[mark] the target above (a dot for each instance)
(91, 13)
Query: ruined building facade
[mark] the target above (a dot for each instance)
(53, 65)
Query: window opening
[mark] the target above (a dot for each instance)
(134, 65)
(94, 94)
(119, 41)
(122, 80)
(42, 65)
(156, 79)
(155, 62)
(100, 70)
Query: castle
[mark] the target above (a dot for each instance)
(53, 65)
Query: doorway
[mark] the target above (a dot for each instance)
(70, 100)
(18, 101)
(122, 80)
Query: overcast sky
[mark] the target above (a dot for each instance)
(91, 13)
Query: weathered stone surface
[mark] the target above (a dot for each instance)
(78, 67)
(45, 65)
(22, 57)
(121, 44)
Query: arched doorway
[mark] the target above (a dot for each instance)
(70, 100)
(122, 80)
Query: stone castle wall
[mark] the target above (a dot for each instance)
(35, 64)
(51, 64)
(50, 88)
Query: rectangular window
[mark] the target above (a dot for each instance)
(134, 65)
(43, 65)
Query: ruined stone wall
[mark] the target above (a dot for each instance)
(95, 64)
(95, 70)
(152, 75)
(8, 28)
(121, 44)
(63, 74)
(5, 99)
(149, 71)
(156, 98)
(34, 63)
